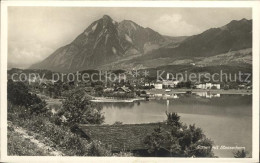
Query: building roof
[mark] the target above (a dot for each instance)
(127, 137)
(125, 89)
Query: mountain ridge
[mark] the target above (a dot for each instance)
(108, 44)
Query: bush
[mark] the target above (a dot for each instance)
(61, 136)
(155, 141)
(29, 111)
(18, 94)
(181, 141)
(78, 108)
(240, 154)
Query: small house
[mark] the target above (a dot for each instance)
(123, 89)
(109, 90)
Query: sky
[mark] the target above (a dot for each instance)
(36, 32)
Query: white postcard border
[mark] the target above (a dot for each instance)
(255, 5)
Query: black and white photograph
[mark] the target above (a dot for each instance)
(137, 82)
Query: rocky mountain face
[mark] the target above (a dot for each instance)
(107, 44)
(104, 41)
(134, 36)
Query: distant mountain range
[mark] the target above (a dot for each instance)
(107, 44)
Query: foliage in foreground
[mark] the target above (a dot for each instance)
(17, 145)
(61, 136)
(240, 154)
(18, 94)
(181, 141)
(78, 108)
(42, 122)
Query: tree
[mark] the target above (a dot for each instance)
(78, 108)
(179, 140)
(50, 89)
(99, 90)
(226, 87)
(155, 141)
(57, 88)
(37, 105)
(188, 84)
(18, 94)
(213, 87)
(240, 154)
(173, 119)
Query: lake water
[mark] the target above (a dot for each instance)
(225, 119)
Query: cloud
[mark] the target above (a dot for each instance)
(23, 53)
(174, 25)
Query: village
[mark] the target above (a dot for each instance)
(134, 89)
(131, 89)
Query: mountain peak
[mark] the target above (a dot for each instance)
(238, 25)
(244, 20)
(106, 17)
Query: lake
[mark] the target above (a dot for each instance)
(225, 119)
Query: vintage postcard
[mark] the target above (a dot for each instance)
(130, 81)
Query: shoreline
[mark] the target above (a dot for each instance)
(103, 99)
(216, 91)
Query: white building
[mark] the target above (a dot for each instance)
(207, 86)
(158, 85)
(170, 83)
